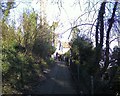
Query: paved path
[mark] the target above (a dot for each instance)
(59, 81)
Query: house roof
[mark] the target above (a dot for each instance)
(65, 44)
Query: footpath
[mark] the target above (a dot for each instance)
(58, 81)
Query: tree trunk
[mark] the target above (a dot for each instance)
(107, 39)
(102, 12)
(96, 34)
(100, 24)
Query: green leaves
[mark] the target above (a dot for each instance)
(82, 47)
(8, 35)
(83, 54)
(24, 52)
(6, 6)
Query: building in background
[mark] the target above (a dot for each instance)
(62, 47)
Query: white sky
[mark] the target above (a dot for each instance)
(69, 13)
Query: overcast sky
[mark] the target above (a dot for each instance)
(66, 15)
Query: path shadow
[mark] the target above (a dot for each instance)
(58, 82)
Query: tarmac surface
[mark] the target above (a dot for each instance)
(59, 81)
